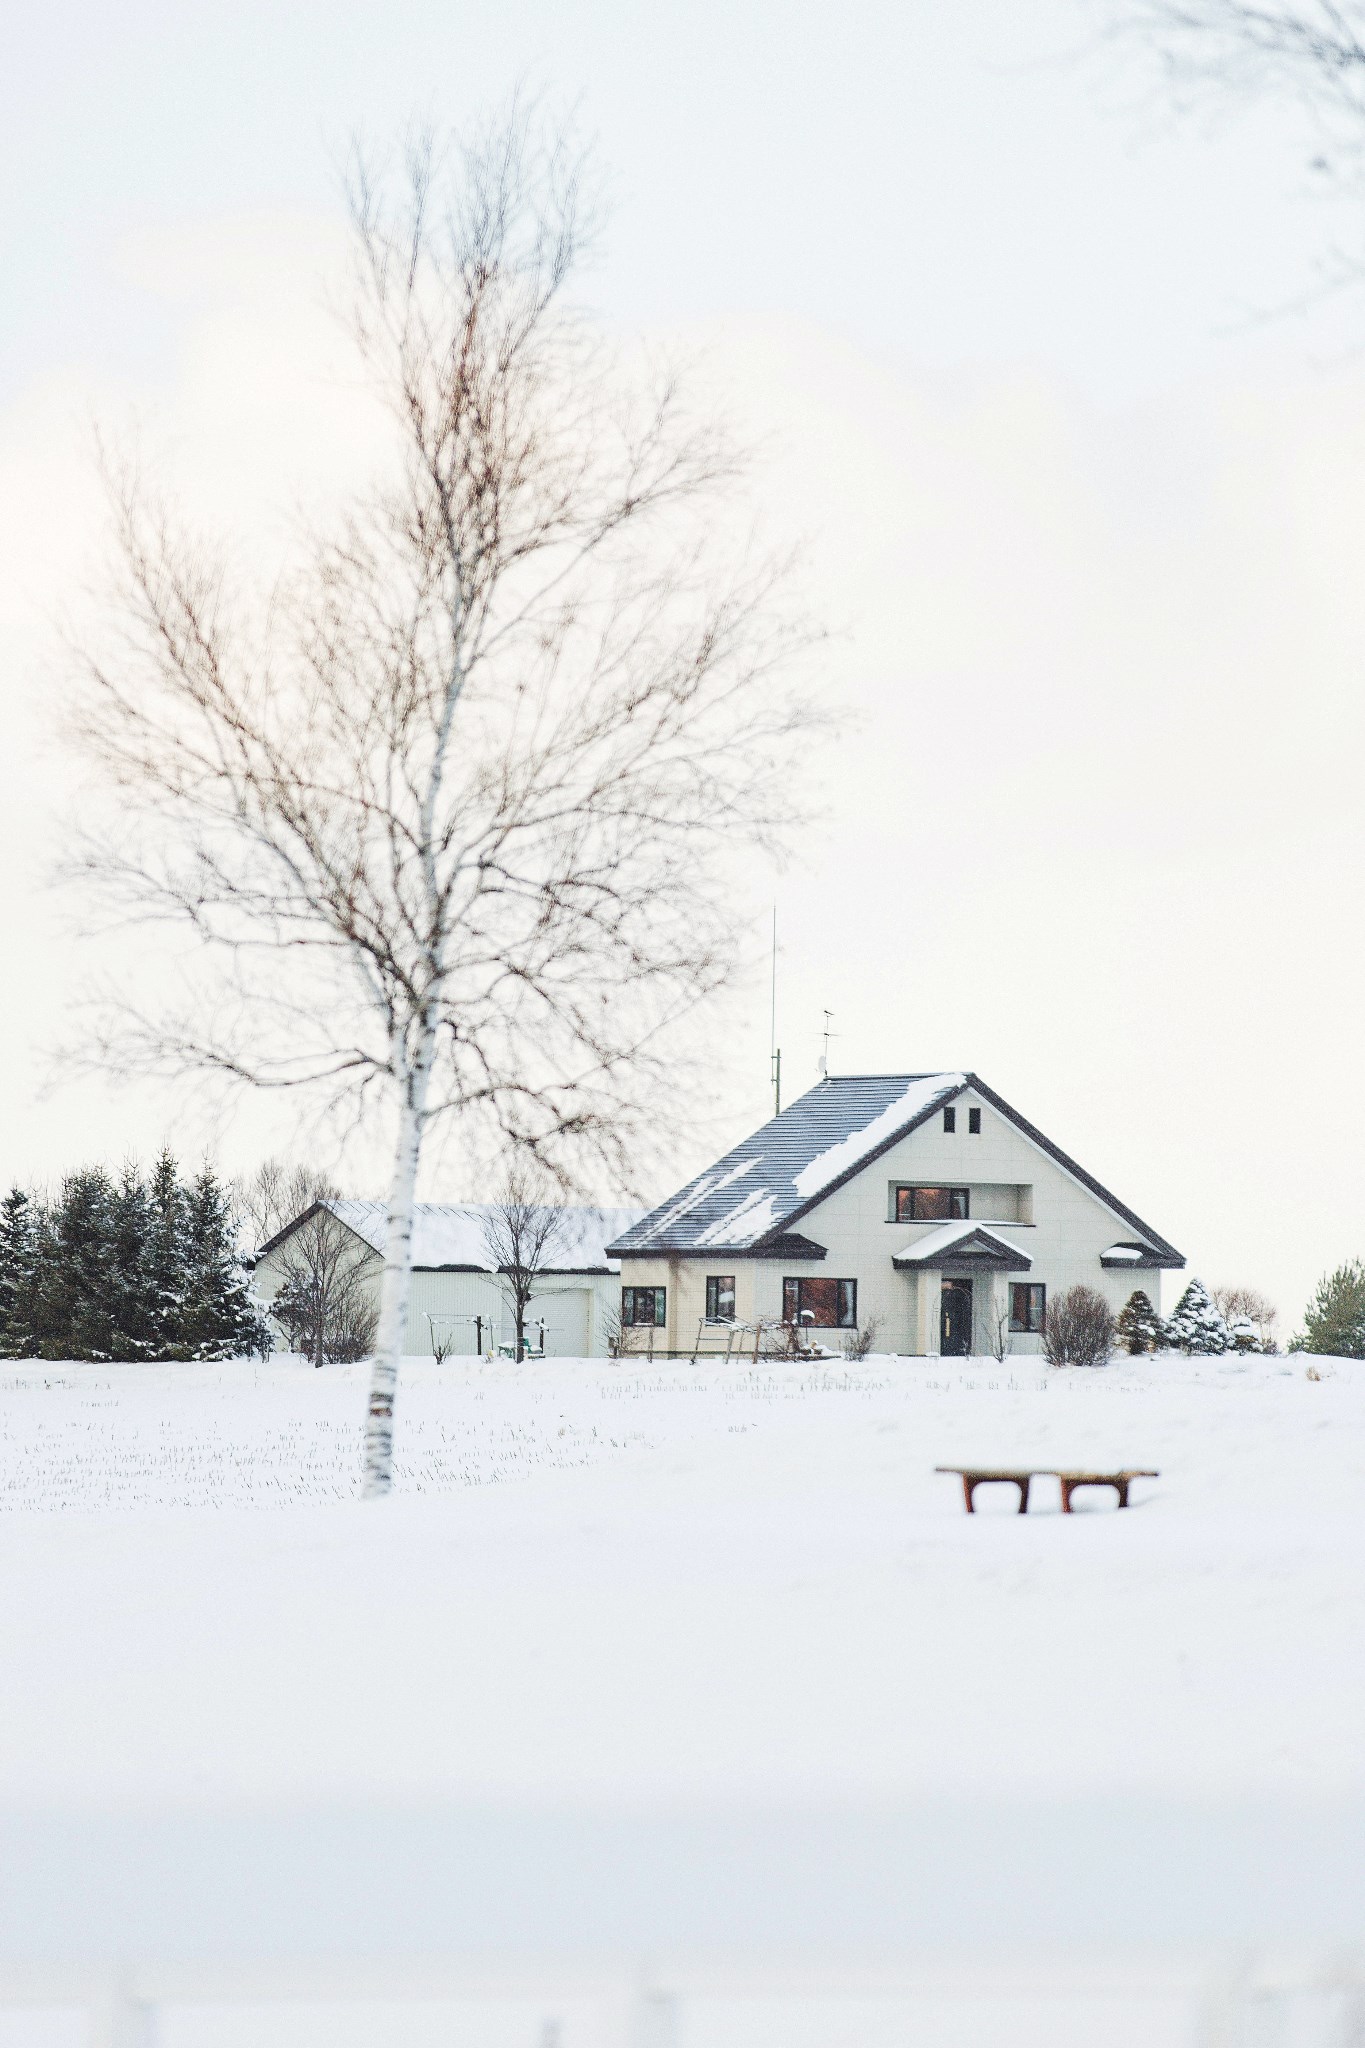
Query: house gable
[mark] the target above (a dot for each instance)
(1014, 1178)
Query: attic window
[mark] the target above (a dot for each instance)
(950, 1119)
(974, 1123)
(932, 1205)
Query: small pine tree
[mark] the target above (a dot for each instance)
(76, 1291)
(1198, 1325)
(134, 1309)
(1139, 1327)
(47, 1317)
(18, 1274)
(221, 1319)
(167, 1260)
(1334, 1320)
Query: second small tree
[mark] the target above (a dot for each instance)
(521, 1235)
(1139, 1328)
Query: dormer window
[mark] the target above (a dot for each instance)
(932, 1205)
(950, 1119)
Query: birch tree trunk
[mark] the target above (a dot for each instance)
(396, 1283)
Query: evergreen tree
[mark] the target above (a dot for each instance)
(1334, 1320)
(221, 1320)
(134, 1310)
(1198, 1325)
(18, 1245)
(76, 1288)
(1139, 1327)
(47, 1316)
(166, 1271)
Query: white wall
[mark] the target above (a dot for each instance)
(574, 1306)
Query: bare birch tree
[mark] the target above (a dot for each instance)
(522, 1234)
(446, 815)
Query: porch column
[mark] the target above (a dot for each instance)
(929, 1291)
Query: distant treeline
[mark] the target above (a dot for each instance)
(126, 1269)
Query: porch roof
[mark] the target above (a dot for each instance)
(963, 1244)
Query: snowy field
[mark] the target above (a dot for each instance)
(710, 1654)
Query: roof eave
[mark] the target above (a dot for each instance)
(981, 1250)
(808, 1249)
(1150, 1262)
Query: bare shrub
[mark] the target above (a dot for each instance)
(1079, 1328)
(352, 1327)
(442, 1332)
(992, 1335)
(1241, 1305)
(863, 1342)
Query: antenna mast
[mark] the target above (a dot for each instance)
(824, 1056)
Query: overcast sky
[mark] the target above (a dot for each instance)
(1088, 524)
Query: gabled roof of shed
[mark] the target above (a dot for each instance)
(448, 1236)
(754, 1195)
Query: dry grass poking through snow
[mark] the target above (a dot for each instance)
(83, 1437)
(609, 1582)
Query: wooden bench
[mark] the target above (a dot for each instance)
(973, 1476)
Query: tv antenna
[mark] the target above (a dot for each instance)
(824, 1055)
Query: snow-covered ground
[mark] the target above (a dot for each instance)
(618, 1620)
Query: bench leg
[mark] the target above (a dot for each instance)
(1121, 1489)
(968, 1489)
(1066, 1496)
(1023, 1485)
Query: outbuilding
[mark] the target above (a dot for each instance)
(456, 1305)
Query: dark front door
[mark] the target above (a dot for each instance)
(955, 1319)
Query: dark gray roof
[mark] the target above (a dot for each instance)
(749, 1200)
(756, 1191)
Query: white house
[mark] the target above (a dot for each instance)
(456, 1302)
(921, 1206)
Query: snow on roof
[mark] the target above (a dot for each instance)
(1124, 1254)
(446, 1234)
(920, 1094)
(763, 1183)
(935, 1243)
